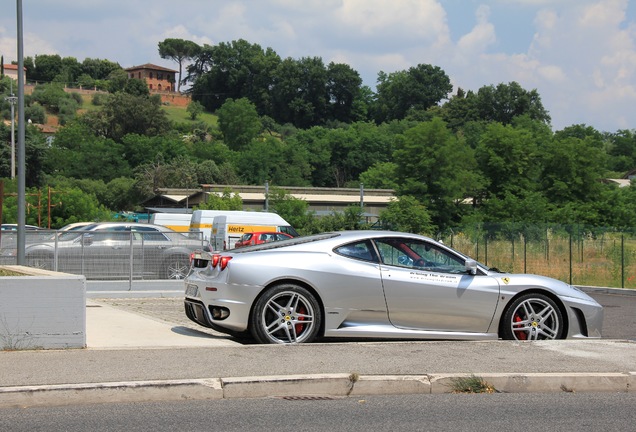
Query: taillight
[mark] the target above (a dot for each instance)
(219, 260)
(224, 261)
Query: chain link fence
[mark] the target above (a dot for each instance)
(106, 255)
(575, 254)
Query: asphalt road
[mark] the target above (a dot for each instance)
(447, 412)
(619, 320)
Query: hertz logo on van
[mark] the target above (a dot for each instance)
(240, 229)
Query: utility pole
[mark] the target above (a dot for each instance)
(21, 153)
(13, 99)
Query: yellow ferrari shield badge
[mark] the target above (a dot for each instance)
(506, 280)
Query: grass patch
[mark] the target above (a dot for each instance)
(180, 115)
(471, 384)
(4, 272)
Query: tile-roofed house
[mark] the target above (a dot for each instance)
(158, 78)
(11, 71)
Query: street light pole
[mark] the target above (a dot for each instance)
(21, 150)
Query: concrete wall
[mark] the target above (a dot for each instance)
(42, 310)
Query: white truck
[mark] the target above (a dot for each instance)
(179, 222)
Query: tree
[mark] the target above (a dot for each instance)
(293, 210)
(317, 147)
(622, 150)
(138, 149)
(77, 153)
(460, 109)
(299, 92)
(49, 96)
(380, 176)
(179, 50)
(407, 214)
(136, 87)
(508, 158)
(418, 88)
(234, 70)
(36, 152)
(224, 201)
(125, 114)
(239, 122)
(507, 101)
(194, 109)
(343, 90)
(43, 67)
(572, 170)
(272, 159)
(117, 80)
(438, 169)
(99, 69)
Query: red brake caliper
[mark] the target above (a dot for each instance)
(299, 327)
(521, 335)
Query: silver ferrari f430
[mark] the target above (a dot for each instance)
(378, 284)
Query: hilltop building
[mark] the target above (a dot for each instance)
(158, 78)
(11, 71)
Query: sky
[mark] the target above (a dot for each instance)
(580, 55)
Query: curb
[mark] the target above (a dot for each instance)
(305, 386)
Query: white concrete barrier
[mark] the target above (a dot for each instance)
(42, 310)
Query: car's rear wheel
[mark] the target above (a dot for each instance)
(177, 267)
(286, 314)
(533, 316)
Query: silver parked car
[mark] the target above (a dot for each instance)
(378, 284)
(113, 250)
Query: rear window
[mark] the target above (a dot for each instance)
(288, 242)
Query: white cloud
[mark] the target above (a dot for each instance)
(412, 19)
(480, 37)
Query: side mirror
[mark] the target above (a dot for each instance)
(471, 266)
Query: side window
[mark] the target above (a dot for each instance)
(116, 233)
(360, 250)
(420, 255)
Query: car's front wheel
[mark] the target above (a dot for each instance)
(286, 314)
(533, 316)
(40, 260)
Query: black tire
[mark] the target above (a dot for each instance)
(533, 316)
(286, 314)
(176, 267)
(40, 260)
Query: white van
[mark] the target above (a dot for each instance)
(223, 228)
(179, 222)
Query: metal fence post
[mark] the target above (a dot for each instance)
(525, 254)
(622, 260)
(570, 258)
(486, 250)
(130, 254)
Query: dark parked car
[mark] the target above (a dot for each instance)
(113, 250)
